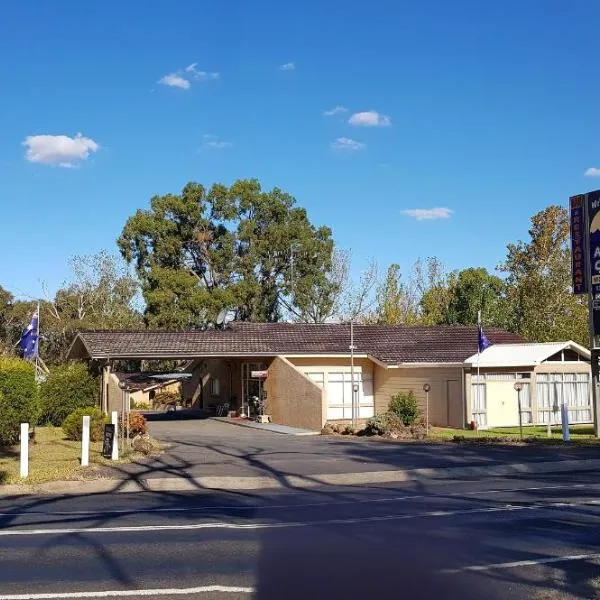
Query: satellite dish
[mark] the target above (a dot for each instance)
(229, 317)
(221, 317)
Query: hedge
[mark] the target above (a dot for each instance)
(67, 388)
(19, 398)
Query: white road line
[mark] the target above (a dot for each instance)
(522, 563)
(292, 524)
(134, 511)
(132, 593)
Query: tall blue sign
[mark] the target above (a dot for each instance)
(593, 219)
(578, 254)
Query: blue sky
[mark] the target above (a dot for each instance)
(488, 110)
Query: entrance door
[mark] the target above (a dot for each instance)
(454, 403)
(251, 388)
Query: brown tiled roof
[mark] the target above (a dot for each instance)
(390, 344)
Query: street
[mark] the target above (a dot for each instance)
(523, 536)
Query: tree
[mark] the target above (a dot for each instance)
(201, 251)
(395, 301)
(100, 294)
(433, 286)
(473, 290)
(539, 282)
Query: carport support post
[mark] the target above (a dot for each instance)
(104, 391)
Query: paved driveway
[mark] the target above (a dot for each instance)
(204, 447)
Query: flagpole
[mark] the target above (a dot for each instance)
(478, 354)
(37, 344)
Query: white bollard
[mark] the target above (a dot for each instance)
(85, 442)
(24, 450)
(115, 448)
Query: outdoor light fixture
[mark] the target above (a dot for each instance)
(518, 387)
(426, 388)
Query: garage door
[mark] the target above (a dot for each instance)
(339, 396)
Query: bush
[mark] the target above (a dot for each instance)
(405, 407)
(142, 405)
(377, 425)
(73, 424)
(67, 388)
(19, 398)
(137, 424)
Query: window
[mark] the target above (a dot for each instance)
(339, 395)
(215, 386)
(479, 402)
(572, 388)
(526, 412)
(318, 378)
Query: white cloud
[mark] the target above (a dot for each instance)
(344, 143)
(212, 141)
(201, 75)
(60, 150)
(592, 172)
(369, 118)
(335, 111)
(175, 80)
(182, 79)
(428, 214)
(290, 66)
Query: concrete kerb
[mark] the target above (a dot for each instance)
(229, 483)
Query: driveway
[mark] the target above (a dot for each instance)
(204, 447)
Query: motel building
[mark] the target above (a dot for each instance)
(303, 372)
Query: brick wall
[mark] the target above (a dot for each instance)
(292, 398)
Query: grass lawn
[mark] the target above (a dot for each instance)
(583, 434)
(51, 458)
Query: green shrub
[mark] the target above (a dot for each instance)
(67, 388)
(405, 406)
(377, 425)
(141, 405)
(73, 424)
(19, 398)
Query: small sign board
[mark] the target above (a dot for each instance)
(578, 237)
(108, 440)
(259, 374)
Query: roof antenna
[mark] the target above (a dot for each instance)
(229, 318)
(221, 318)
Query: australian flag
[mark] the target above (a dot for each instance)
(482, 339)
(29, 338)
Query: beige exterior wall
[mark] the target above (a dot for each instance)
(115, 394)
(325, 364)
(292, 398)
(446, 406)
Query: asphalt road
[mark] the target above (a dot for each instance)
(206, 447)
(527, 537)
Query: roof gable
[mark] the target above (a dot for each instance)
(524, 354)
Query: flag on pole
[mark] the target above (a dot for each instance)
(482, 341)
(29, 338)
